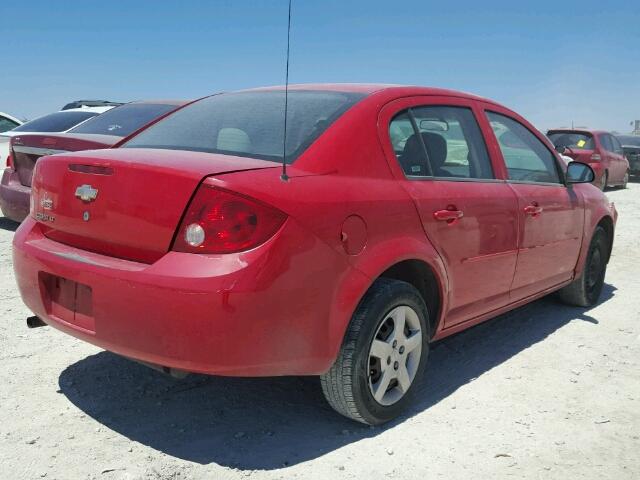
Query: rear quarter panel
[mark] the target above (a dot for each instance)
(344, 174)
(596, 209)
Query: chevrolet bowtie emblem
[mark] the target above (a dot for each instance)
(86, 193)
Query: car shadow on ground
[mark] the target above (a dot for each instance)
(268, 423)
(10, 225)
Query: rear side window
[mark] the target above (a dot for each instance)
(248, 124)
(124, 120)
(573, 140)
(605, 141)
(527, 159)
(617, 147)
(440, 141)
(55, 122)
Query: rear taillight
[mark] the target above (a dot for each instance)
(595, 157)
(219, 221)
(10, 162)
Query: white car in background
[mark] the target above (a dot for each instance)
(58, 122)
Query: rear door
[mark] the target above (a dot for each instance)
(550, 214)
(621, 161)
(437, 151)
(608, 157)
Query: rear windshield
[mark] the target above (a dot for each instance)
(55, 122)
(573, 140)
(124, 120)
(629, 140)
(248, 124)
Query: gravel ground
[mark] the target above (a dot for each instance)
(546, 391)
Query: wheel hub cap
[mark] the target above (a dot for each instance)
(394, 355)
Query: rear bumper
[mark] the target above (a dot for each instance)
(264, 312)
(14, 197)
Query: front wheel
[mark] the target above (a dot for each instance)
(585, 290)
(383, 355)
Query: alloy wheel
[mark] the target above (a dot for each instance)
(394, 355)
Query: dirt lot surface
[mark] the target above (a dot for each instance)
(544, 392)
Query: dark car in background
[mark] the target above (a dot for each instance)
(103, 131)
(90, 103)
(600, 150)
(631, 149)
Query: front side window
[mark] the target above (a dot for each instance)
(440, 141)
(55, 122)
(248, 124)
(527, 159)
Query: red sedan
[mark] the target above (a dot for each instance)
(407, 215)
(602, 151)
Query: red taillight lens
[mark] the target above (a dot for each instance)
(218, 221)
(10, 161)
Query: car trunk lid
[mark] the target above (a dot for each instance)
(27, 149)
(125, 203)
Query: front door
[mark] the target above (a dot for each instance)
(550, 214)
(468, 215)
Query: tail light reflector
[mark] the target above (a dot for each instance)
(219, 221)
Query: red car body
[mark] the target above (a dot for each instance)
(347, 215)
(26, 149)
(602, 151)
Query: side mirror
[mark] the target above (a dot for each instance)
(560, 149)
(578, 172)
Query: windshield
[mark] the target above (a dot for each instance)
(626, 140)
(55, 122)
(573, 140)
(124, 120)
(248, 124)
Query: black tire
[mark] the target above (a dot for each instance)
(604, 180)
(346, 385)
(585, 290)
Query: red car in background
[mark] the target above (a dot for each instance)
(102, 131)
(406, 214)
(600, 150)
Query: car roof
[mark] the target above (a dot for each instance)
(177, 103)
(371, 88)
(88, 109)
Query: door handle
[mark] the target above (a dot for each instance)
(449, 215)
(534, 209)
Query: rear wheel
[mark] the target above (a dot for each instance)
(604, 180)
(625, 180)
(586, 289)
(383, 355)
